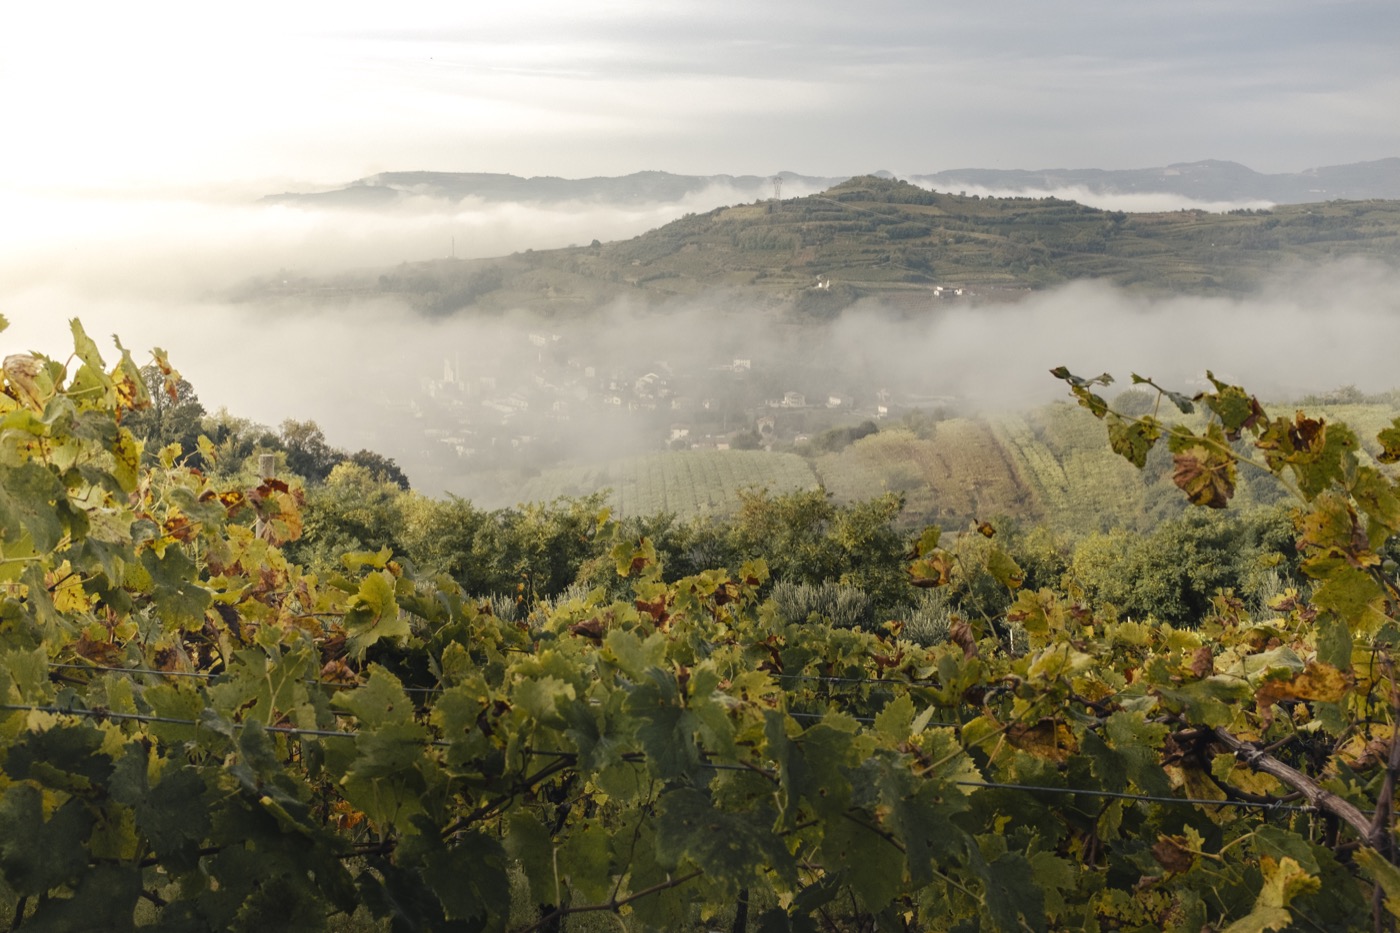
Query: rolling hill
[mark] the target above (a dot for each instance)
(880, 238)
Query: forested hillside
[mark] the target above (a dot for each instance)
(235, 701)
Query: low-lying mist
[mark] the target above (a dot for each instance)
(467, 395)
(1129, 201)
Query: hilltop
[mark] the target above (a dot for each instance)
(881, 238)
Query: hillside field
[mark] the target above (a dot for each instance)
(1051, 465)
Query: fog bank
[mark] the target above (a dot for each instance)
(424, 391)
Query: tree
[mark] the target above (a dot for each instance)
(174, 417)
(308, 454)
(381, 467)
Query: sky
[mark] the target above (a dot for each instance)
(138, 138)
(216, 96)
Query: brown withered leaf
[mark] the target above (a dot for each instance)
(1171, 853)
(1045, 739)
(1203, 662)
(338, 672)
(1316, 682)
(589, 628)
(103, 653)
(1306, 432)
(179, 528)
(883, 661)
(1207, 478)
(934, 570)
(656, 608)
(960, 634)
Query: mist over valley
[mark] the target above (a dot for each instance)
(479, 340)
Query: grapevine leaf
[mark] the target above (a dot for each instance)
(1283, 881)
(1132, 440)
(1355, 597)
(380, 701)
(928, 541)
(528, 842)
(385, 779)
(1334, 642)
(633, 655)
(104, 899)
(263, 687)
(666, 730)
(469, 877)
(1014, 900)
(1317, 683)
(920, 812)
(1376, 495)
(1317, 453)
(1278, 843)
(1390, 443)
(1385, 874)
(373, 613)
(868, 862)
(729, 847)
(669, 907)
(36, 854)
(1212, 701)
(175, 817)
(126, 455)
(179, 599)
(586, 862)
(894, 721)
(1236, 410)
(1206, 475)
(28, 497)
(541, 698)
(813, 767)
(1056, 876)
(1005, 570)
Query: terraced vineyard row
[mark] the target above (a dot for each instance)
(960, 474)
(687, 483)
(1085, 484)
(1052, 464)
(1037, 465)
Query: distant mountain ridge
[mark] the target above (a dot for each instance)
(388, 188)
(1209, 180)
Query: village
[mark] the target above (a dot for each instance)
(561, 405)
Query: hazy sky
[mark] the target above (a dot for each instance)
(311, 92)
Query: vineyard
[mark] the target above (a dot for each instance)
(687, 483)
(1048, 465)
(197, 734)
(959, 473)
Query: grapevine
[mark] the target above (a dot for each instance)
(196, 733)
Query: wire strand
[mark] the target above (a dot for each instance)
(707, 764)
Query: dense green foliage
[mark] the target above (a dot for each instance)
(199, 733)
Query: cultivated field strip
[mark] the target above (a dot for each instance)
(686, 483)
(1037, 465)
(960, 474)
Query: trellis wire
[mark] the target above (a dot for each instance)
(710, 765)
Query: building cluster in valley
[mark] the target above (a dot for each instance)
(481, 415)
